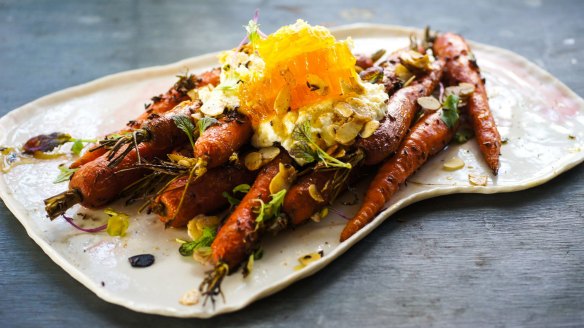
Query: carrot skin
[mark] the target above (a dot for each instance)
(220, 140)
(461, 67)
(401, 110)
(299, 205)
(238, 236)
(203, 196)
(426, 138)
(159, 106)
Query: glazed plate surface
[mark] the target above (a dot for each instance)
(539, 117)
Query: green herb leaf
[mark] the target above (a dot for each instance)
(450, 114)
(77, 147)
(232, 200)
(268, 211)
(186, 125)
(244, 188)
(117, 224)
(65, 174)
(305, 148)
(204, 123)
(206, 239)
(253, 34)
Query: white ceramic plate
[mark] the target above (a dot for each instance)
(541, 118)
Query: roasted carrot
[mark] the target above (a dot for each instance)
(238, 236)
(300, 204)
(401, 110)
(160, 104)
(426, 138)
(96, 183)
(461, 66)
(220, 140)
(202, 196)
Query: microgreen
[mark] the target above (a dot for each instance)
(204, 123)
(450, 114)
(185, 125)
(205, 240)
(65, 174)
(306, 149)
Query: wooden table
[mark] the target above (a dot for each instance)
(464, 260)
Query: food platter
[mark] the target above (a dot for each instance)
(541, 119)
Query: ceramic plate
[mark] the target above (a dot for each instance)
(541, 119)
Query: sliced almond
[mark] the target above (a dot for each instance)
(315, 194)
(192, 297)
(307, 259)
(196, 225)
(253, 161)
(327, 134)
(477, 180)
(369, 128)
(282, 101)
(347, 132)
(403, 73)
(283, 179)
(429, 103)
(316, 84)
(466, 89)
(269, 153)
(453, 164)
(343, 109)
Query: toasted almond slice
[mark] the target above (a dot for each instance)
(315, 194)
(466, 89)
(253, 161)
(283, 179)
(191, 297)
(347, 132)
(477, 180)
(453, 164)
(269, 153)
(429, 103)
(369, 128)
(343, 109)
(282, 101)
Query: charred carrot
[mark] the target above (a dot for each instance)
(160, 104)
(300, 202)
(217, 144)
(202, 196)
(95, 184)
(461, 66)
(400, 114)
(426, 138)
(239, 236)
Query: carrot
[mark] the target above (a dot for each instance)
(426, 138)
(240, 234)
(96, 183)
(202, 197)
(300, 204)
(400, 113)
(461, 67)
(217, 144)
(160, 104)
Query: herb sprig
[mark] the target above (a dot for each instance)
(185, 125)
(205, 240)
(306, 149)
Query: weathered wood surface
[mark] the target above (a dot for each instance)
(463, 260)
